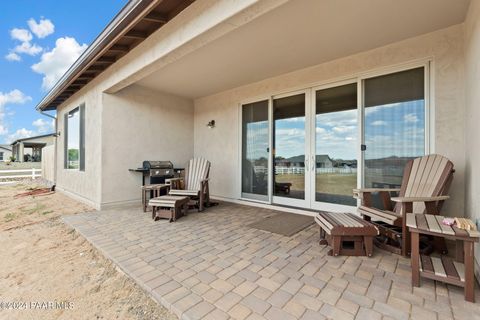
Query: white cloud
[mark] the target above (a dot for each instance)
(3, 130)
(28, 48)
(43, 126)
(344, 129)
(12, 56)
(411, 117)
(41, 29)
(379, 123)
(20, 134)
(56, 62)
(22, 35)
(13, 97)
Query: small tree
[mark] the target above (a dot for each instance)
(12, 158)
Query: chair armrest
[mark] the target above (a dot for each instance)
(365, 190)
(419, 199)
(358, 193)
(174, 182)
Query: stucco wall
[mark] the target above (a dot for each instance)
(220, 145)
(6, 154)
(141, 124)
(472, 67)
(84, 185)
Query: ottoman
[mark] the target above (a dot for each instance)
(346, 233)
(169, 207)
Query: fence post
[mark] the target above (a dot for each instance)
(33, 173)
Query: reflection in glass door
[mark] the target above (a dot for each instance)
(255, 141)
(336, 144)
(394, 125)
(289, 142)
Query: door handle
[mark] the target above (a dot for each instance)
(306, 164)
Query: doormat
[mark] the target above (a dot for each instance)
(284, 223)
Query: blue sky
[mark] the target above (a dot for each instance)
(395, 129)
(38, 41)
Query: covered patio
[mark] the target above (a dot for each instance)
(212, 265)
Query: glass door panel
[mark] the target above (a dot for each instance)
(394, 125)
(255, 140)
(336, 144)
(289, 142)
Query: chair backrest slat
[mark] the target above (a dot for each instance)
(197, 170)
(425, 177)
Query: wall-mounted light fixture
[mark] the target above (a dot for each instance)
(211, 124)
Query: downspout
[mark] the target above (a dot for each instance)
(55, 146)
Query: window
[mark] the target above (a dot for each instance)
(255, 150)
(1, 156)
(394, 125)
(74, 139)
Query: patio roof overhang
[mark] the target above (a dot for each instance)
(297, 35)
(132, 25)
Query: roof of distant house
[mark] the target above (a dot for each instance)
(32, 138)
(6, 147)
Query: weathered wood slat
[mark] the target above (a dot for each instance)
(460, 232)
(426, 264)
(445, 229)
(450, 268)
(438, 267)
(411, 221)
(422, 222)
(321, 219)
(460, 267)
(432, 223)
(474, 233)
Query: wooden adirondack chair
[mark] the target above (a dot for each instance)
(424, 188)
(195, 184)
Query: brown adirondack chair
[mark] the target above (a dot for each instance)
(195, 183)
(425, 184)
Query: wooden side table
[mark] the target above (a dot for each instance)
(458, 271)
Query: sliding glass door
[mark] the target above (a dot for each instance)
(290, 154)
(310, 148)
(255, 151)
(335, 144)
(394, 125)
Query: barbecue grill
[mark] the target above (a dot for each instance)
(158, 171)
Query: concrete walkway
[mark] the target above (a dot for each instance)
(210, 265)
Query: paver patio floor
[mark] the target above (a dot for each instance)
(210, 265)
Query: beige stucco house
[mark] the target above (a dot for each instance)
(371, 84)
(30, 148)
(5, 152)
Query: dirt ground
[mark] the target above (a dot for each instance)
(43, 263)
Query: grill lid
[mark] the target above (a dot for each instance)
(148, 165)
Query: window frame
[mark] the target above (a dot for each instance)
(81, 143)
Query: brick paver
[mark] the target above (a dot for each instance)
(211, 265)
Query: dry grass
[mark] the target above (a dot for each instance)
(49, 262)
(330, 183)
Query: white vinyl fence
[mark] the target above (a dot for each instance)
(301, 170)
(6, 176)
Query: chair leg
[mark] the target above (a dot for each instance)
(201, 201)
(144, 200)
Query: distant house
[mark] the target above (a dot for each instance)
(322, 161)
(30, 149)
(5, 152)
